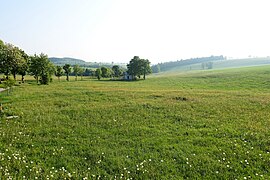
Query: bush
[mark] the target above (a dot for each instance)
(8, 84)
(44, 79)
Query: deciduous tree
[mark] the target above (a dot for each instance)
(76, 71)
(10, 60)
(34, 68)
(116, 71)
(98, 73)
(41, 68)
(80, 72)
(156, 68)
(67, 70)
(105, 72)
(24, 66)
(138, 67)
(59, 72)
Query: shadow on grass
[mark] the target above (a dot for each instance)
(119, 80)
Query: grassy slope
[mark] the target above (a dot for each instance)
(208, 124)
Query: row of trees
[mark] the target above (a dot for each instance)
(102, 72)
(137, 68)
(14, 61)
(114, 72)
(207, 65)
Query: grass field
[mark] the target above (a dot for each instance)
(193, 125)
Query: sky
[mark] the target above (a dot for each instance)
(117, 30)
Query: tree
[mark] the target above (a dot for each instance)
(203, 65)
(105, 72)
(3, 58)
(18, 61)
(81, 72)
(133, 67)
(24, 66)
(46, 68)
(98, 73)
(76, 70)
(13, 60)
(138, 67)
(87, 72)
(156, 68)
(67, 70)
(116, 71)
(8, 85)
(10, 60)
(209, 65)
(59, 72)
(34, 67)
(51, 71)
(145, 67)
(41, 68)
(1, 43)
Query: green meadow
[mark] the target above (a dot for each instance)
(212, 124)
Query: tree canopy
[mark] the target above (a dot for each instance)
(67, 70)
(76, 69)
(59, 72)
(138, 67)
(116, 71)
(41, 68)
(105, 72)
(12, 60)
(98, 73)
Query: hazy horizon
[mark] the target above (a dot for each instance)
(117, 30)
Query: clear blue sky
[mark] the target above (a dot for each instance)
(117, 30)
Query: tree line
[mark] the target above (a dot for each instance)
(76, 70)
(203, 60)
(14, 61)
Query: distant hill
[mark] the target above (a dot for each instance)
(203, 64)
(67, 60)
(167, 66)
(74, 61)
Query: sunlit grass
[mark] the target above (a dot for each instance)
(204, 125)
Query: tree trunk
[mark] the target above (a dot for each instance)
(144, 73)
(58, 78)
(7, 75)
(14, 76)
(22, 78)
(67, 77)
